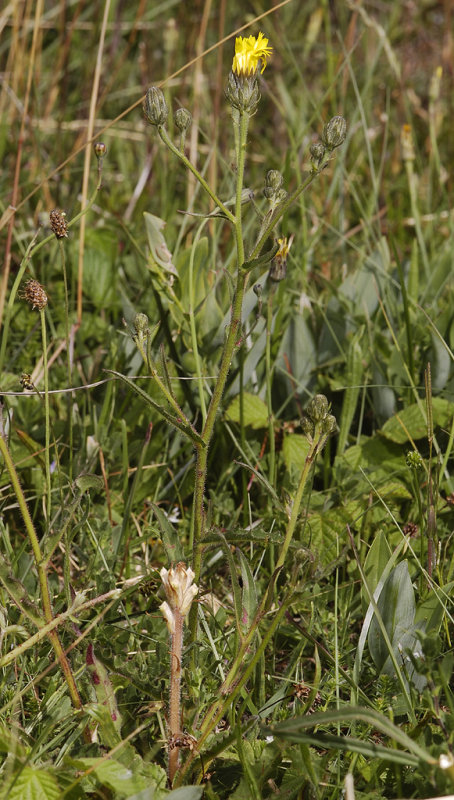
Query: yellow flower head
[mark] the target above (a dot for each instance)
(249, 51)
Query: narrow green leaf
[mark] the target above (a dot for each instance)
(262, 260)
(170, 538)
(186, 429)
(290, 728)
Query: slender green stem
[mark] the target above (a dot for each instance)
(42, 574)
(315, 447)
(232, 341)
(269, 381)
(411, 179)
(181, 156)
(195, 347)
(46, 415)
(241, 128)
(68, 357)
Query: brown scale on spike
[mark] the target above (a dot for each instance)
(35, 294)
(58, 223)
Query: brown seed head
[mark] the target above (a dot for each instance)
(35, 294)
(58, 223)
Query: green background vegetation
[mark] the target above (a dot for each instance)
(366, 306)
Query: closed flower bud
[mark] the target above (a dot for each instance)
(141, 324)
(155, 107)
(334, 133)
(307, 426)
(273, 183)
(58, 223)
(318, 408)
(35, 294)
(329, 424)
(182, 119)
(317, 151)
(100, 150)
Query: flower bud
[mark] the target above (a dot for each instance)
(329, 424)
(182, 119)
(100, 150)
(273, 183)
(317, 151)
(317, 409)
(334, 133)
(155, 107)
(58, 223)
(307, 426)
(141, 324)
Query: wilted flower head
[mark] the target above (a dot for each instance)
(35, 294)
(406, 143)
(249, 52)
(278, 268)
(180, 592)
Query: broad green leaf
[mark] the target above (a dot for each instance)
(295, 448)
(124, 781)
(298, 350)
(249, 593)
(255, 412)
(86, 481)
(109, 717)
(158, 247)
(170, 538)
(353, 380)
(186, 793)
(35, 784)
(376, 560)
(326, 531)
(429, 613)
(411, 421)
(396, 605)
